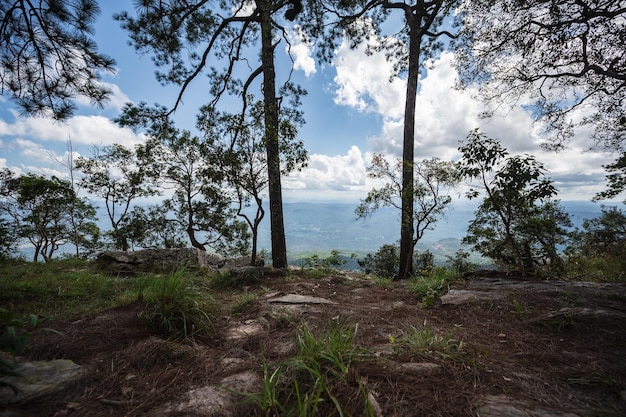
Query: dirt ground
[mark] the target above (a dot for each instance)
(522, 350)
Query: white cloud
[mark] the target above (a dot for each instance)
(342, 173)
(301, 49)
(445, 116)
(363, 81)
(90, 130)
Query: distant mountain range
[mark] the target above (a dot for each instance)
(318, 228)
(322, 227)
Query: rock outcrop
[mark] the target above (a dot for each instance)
(167, 260)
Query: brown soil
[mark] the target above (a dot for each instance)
(567, 364)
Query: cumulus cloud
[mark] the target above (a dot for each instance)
(91, 130)
(445, 116)
(301, 49)
(339, 173)
(363, 81)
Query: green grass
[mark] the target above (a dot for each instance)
(316, 380)
(177, 307)
(425, 341)
(243, 302)
(431, 286)
(60, 289)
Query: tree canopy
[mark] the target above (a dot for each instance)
(47, 56)
(557, 56)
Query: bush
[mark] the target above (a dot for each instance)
(384, 263)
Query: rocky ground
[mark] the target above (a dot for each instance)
(529, 348)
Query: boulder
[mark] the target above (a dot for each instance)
(39, 379)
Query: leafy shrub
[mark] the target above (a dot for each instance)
(384, 263)
(323, 266)
(460, 262)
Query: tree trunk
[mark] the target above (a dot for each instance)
(279, 245)
(408, 152)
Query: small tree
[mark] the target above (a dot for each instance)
(434, 180)
(384, 263)
(517, 224)
(116, 175)
(603, 236)
(245, 157)
(194, 169)
(40, 212)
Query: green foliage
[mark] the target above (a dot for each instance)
(323, 266)
(384, 263)
(309, 383)
(511, 57)
(48, 58)
(61, 288)
(517, 224)
(45, 212)
(425, 341)
(597, 251)
(8, 240)
(432, 285)
(460, 263)
(616, 179)
(177, 308)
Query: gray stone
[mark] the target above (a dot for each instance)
(167, 260)
(300, 299)
(214, 400)
(581, 313)
(40, 378)
(503, 406)
(457, 297)
(244, 330)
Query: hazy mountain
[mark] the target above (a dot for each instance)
(327, 226)
(321, 227)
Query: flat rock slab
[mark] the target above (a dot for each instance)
(242, 331)
(501, 405)
(300, 299)
(40, 378)
(457, 297)
(221, 400)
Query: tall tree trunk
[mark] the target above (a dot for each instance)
(279, 245)
(408, 151)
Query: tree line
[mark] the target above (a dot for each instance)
(555, 57)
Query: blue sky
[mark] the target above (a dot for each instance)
(352, 111)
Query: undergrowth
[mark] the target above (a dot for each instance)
(177, 307)
(319, 380)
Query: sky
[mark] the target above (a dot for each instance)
(353, 111)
